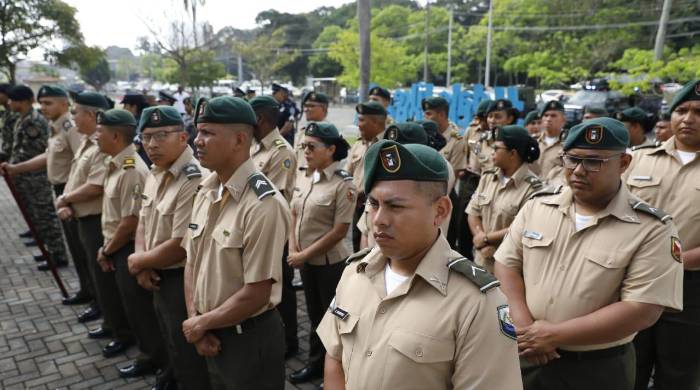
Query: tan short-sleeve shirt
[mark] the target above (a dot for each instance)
(126, 174)
(275, 158)
(480, 150)
(434, 331)
(236, 239)
(321, 201)
(89, 166)
(166, 205)
(549, 156)
(622, 255)
(498, 203)
(63, 143)
(455, 150)
(356, 160)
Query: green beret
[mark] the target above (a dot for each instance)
(483, 107)
(552, 105)
(531, 116)
(317, 97)
(159, 116)
(407, 133)
(433, 102)
(116, 117)
(598, 133)
(690, 91)
(91, 99)
(381, 92)
(162, 95)
(263, 102)
(323, 130)
(632, 114)
(500, 105)
(519, 139)
(224, 109)
(20, 93)
(665, 115)
(596, 111)
(51, 91)
(389, 160)
(371, 108)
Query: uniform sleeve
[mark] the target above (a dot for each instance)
(328, 333)
(262, 259)
(653, 276)
(281, 169)
(73, 138)
(485, 357)
(183, 209)
(130, 193)
(473, 207)
(510, 252)
(345, 199)
(98, 170)
(459, 155)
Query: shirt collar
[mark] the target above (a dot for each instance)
(236, 184)
(185, 157)
(518, 176)
(329, 171)
(619, 205)
(268, 141)
(376, 139)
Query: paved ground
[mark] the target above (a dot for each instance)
(42, 346)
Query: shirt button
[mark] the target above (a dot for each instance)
(561, 268)
(369, 353)
(419, 352)
(551, 301)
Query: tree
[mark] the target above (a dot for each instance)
(265, 56)
(28, 24)
(90, 62)
(320, 64)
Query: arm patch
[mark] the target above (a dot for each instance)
(261, 185)
(280, 143)
(477, 275)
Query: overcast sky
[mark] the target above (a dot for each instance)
(121, 22)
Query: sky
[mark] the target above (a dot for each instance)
(121, 22)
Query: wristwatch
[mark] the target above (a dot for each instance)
(486, 238)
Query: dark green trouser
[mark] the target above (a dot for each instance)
(106, 291)
(138, 306)
(253, 359)
(188, 367)
(615, 372)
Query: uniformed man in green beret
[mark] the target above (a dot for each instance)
(533, 123)
(593, 112)
(662, 128)
(383, 97)
(413, 313)
(236, 237)
(587, 267)
(553, 121)
(315, 106)
(636, 122)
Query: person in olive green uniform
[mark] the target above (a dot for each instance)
(587, 267)
(7, 123)
(240, 223)
(502, 191)
(159, 260)
(322, 209)
(637, 123)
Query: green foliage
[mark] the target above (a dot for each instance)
(90, 62)
(262, 56)
(202, 69)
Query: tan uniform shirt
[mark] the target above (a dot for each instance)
(356, 160)
(549, 156)
(299, 152)
(63, 143)
(455, 151)
(658, 177)
(321, 204)
(166, 205)
(275, 158)
(89, 166)
(497, 204)
(623, 255)
(480, 151)
(434, 331)
(236, 238)
(126, 174)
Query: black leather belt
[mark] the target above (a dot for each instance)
(250, 323)
(691, 275)
(595, 354)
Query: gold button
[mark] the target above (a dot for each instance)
(369, 353)
(419, 352)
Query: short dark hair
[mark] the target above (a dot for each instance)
(432, 189)
(128, 132)
(269, 114)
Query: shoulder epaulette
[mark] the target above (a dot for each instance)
(455, 134)
(358, 255)
(491, 171)
(534, 182)
(647, 146)
(547, 190)
(129, 162)
(345, 175)
(67, 125)
(261, 185)
(191, 171)
(279, 143)
(477, 275)
(647, 209)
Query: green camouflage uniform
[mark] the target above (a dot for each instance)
(7, 126)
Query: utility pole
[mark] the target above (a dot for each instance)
(449, 49)
(363, 15)
(661, 32)
(489, 37)
(425, 46)
(240, 69)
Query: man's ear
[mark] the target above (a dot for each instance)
(443, 209)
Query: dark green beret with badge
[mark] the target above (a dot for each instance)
(51, 91)
(224, 109)
(389, 160)
(552, 105)
(482, 108)
(371, 108)
(381, 92)
(665, 115)
(316, 97)
(531, 116)
(264, 102)
(407, 133)
(632, 114)
(91, 99)
(596, 111)
(20, 93)
(328, 134)
(116, 117)
(690, 91)
(159, 116)
(433, 102)
(598, 133)
(500, 105)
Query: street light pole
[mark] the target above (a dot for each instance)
(449, 49)
(425, 46)
(489, 43)
(363, 15)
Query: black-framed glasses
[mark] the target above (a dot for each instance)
(310, 145)
(159, 136)
(589, 164)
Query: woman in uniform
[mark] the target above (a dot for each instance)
(322, 208)
(502, 190)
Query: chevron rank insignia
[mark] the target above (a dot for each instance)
(129, 162)
(477, 275)
(261, 185)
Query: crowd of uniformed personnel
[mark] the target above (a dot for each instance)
(498, 257)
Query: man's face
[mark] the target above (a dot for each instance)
(685, 123)
(370, 126)
(53, 107)
(498, 118)
(17, 105)
(589, 186)
(534, 127)
(379, 99)
(590, 115)
(280, 95)
(636, 133)
(314, 111)
(437, 116)
(105, 138)
(165, 144)
(553, 121)
(662, 130)
(405, 221)
(84, 119)
(215, 143)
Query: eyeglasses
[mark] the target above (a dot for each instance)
(158, 136)
(589, 164)
(311, 146)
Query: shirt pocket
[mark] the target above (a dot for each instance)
(644, 186)
(421, 360)
(229, 249)
(602, 275)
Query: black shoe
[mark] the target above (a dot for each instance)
(39, 258)
(99, 333)
(291, 352)
(165, 381)
(306, 374)
(89, 314)
(136, 369)
(320, 387)
(114, 348)
(78, 298)
(45, 265)
(27, 234)
(30, 243)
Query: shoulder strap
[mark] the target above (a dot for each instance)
(491, 171)
(191, 171)
(279, 143)
(129, 162)
(547, 190)
(261, 185)
(358, 255)
(647, 209)
(477, 275)
(534, 182)
(645, 146)
(345, 175)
